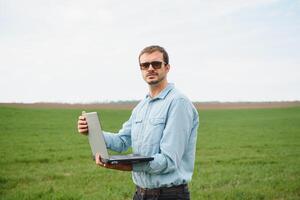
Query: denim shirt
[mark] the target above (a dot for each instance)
(164, 127)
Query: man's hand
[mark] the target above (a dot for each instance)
(122, 167)
(82, 125)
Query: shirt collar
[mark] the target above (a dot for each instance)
(163, 93)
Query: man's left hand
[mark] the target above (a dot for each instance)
(119, 166)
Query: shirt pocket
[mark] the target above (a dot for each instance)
(157, 121)
(154, 131)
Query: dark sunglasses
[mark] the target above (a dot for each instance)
(154, 64)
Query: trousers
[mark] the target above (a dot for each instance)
(180, 192)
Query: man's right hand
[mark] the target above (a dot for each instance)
(82, 125)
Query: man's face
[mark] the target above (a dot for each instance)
(151, 75)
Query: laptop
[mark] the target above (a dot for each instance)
(97, 143)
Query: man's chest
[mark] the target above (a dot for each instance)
(147, 127)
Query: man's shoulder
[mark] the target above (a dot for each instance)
(176, 96)
(140, 104)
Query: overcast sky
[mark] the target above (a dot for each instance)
(86, 51)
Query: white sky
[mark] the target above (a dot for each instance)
(86, 51)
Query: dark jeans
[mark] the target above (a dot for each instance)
(176, 192)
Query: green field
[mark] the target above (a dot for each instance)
(241, 154)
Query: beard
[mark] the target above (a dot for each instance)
(156, 82)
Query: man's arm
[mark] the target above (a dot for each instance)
(174, 141)
(120, 141)
(116, 142)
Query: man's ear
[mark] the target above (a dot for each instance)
(168, 67)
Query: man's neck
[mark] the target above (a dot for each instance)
(154, 90)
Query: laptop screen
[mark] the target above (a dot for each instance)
(96, 138)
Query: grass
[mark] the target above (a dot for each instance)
(241, 154)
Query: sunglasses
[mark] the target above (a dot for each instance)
(154, 64)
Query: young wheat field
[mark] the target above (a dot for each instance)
(241, 154)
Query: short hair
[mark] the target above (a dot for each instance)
(153, 48)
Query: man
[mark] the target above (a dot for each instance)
(164, 126)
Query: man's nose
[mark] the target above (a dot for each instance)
(151, 67)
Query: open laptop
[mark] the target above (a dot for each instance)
(97, 143)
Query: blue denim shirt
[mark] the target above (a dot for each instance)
(164, 127)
